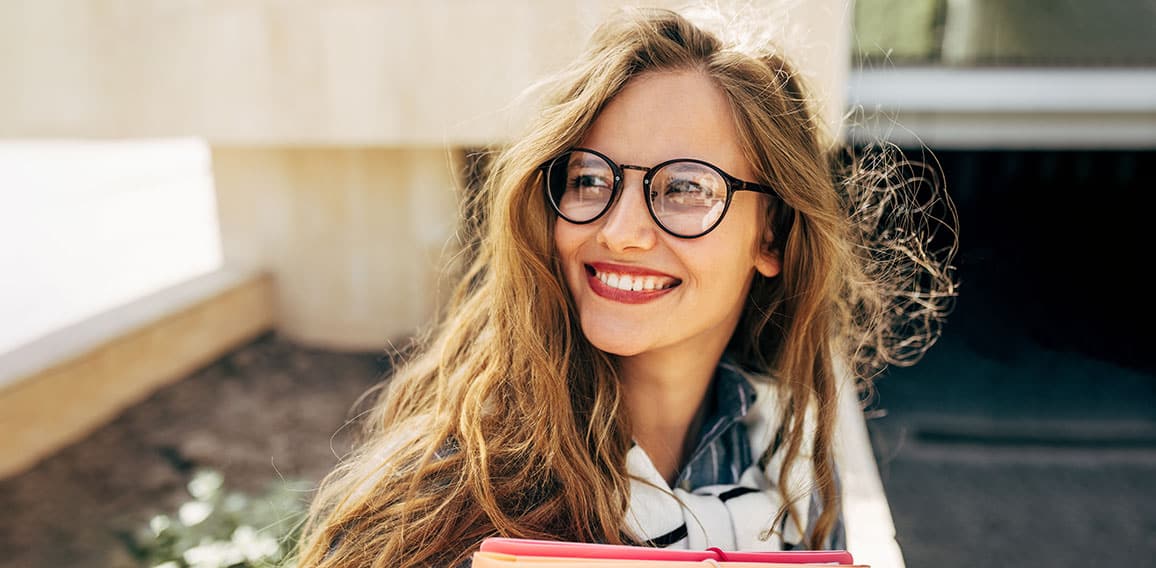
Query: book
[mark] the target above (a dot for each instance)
(526, 553)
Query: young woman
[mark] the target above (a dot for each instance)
(647, 348)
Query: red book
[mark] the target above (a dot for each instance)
(513, 552)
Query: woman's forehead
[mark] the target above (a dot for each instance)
(662, 115)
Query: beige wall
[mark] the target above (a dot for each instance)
(357, 236)
(274, 72)
(277, 72)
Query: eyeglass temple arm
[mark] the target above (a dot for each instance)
(741, 185)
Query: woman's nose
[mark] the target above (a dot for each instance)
(628, 225)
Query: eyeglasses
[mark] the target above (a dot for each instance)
(686, 197)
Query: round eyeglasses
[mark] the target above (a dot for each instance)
(686, 197)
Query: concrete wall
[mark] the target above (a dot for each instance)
(357, 237)
(273, 72)
(80, 377)
(433, 73)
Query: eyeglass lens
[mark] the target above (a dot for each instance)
(686, 198)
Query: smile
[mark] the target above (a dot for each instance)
(634, 283)
(628, 284)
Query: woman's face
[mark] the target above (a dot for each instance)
(693, 289)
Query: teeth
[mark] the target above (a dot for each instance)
(634, 283)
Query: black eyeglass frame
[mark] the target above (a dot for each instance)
(733, 184)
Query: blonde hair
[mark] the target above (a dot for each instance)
(506, 421)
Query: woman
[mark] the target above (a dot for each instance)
(646, 348)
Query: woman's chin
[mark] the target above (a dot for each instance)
(621, 352)
(615, 344)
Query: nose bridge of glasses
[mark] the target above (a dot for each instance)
(641, 178)
(629, 211)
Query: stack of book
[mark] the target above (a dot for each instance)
(524, 553)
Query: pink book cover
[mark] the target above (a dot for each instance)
(546, 548)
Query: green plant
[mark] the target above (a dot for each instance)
(223, 529)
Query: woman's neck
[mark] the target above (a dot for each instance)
(665, 397)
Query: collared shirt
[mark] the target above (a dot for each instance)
(723, 450)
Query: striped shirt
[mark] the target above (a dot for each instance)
(723, 450)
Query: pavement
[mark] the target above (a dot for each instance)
(999, 449)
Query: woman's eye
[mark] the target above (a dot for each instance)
(682, 186)
(587, 182)
(686, 189)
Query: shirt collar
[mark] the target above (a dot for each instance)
(733, 393)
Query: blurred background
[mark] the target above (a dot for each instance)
(217, 218)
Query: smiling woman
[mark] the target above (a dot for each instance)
(646, 349)
(667, 341)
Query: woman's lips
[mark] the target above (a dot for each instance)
(628, 284)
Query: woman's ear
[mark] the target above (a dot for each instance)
(769, 262)
(768, 259)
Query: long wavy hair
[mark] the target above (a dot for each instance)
(506, 421)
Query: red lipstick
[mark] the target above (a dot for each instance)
(628, 296)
